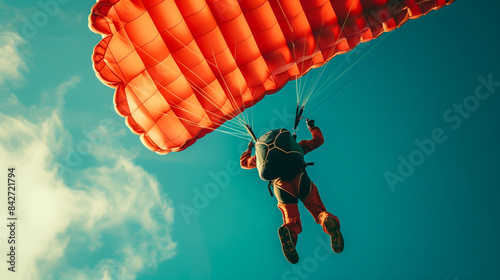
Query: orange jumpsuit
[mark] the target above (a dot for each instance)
(288, 192)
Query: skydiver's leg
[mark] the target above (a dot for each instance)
(312, 201)
(309, 195)
(292, 226)
(290, 210)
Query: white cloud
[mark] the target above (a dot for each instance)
(11, 63)
(111, 214)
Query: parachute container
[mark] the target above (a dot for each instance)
(278, 155)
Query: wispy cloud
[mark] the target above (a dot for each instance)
(112, 213)
(12, 65)
(70, 18)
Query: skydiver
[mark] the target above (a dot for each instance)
(289, 192)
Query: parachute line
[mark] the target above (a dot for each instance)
(200, 90)
(189, 112)
(229, 93)
(332, 49)
(370, 65)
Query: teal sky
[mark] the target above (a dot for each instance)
(94, 203)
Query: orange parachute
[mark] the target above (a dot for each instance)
(182, 68)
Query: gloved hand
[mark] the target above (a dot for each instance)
(250, 145)
(310, 123)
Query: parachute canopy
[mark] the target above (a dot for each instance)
(182, 68)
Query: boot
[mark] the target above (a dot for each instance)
(332, 227)
(288, 240)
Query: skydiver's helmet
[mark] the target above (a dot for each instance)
(278, 155)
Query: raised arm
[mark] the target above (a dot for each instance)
(247, 161)
(316, 141)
